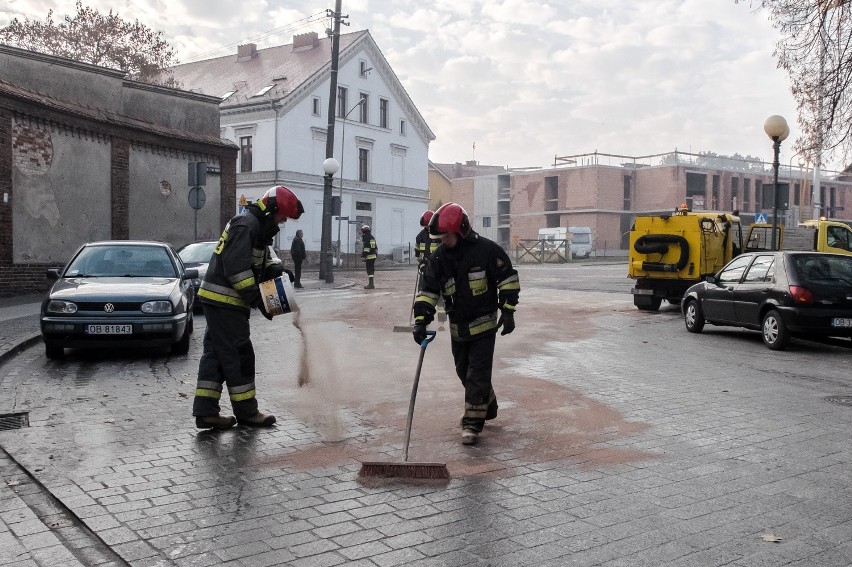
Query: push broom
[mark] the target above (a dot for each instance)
(407, 469)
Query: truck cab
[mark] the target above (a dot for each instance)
(811, 235)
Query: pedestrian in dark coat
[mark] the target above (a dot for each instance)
(297, 253)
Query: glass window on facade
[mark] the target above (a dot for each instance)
(316, 106)
(735, 193)
(342, 95)
(627, 192)
(746, 195)
(363, 116)
(383, 112)
(363, 164)
(245, 154)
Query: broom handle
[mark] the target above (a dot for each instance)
(414, 297)
(429, 336)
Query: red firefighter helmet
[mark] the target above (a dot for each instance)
(281, 202)
(365, 229)
(427, 216)
(449, 218)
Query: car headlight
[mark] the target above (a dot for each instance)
(59, 306)
(159, 307)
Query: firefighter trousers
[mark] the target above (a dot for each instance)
(473, 360)
(228, 359)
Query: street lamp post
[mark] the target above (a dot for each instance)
(330, 167)
(776, 128)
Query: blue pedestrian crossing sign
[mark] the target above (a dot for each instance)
(760, 217)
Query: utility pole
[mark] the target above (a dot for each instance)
(325, 269)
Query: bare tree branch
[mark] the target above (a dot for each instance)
(815, 49)
(104, 40)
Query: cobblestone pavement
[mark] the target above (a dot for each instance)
(613, 447)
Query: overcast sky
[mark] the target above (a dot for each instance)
(524, 80)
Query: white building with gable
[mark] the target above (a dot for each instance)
(275, 108)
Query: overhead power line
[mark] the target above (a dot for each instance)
(285, 29)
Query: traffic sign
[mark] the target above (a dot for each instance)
(197, 198)
(760, 217)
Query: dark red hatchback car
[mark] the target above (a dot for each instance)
(782, 294)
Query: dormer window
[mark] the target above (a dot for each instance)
(227, 95)
(263, 91)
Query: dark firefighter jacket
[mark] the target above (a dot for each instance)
(370, 249)
(425, 246)
(476, 279)
(240, 261)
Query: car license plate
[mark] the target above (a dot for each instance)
(841, 322)
(110, 330)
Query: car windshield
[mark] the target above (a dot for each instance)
(197, 253)
(121, 260)
(824, 269)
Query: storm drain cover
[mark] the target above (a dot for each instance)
(14, 420)
(840, 400)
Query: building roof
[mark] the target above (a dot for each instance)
(292, 72)
(105, 116)
(468, 169)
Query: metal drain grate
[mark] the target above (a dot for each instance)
(14, 420)
(840, 400)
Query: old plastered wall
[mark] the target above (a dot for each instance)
(159, 197)
(61, 179)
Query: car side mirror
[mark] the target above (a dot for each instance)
(190, 274)
(711, 279)
(53, 273)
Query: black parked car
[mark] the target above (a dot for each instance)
(781, 294)
(119, 293)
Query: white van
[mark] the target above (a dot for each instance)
(579, 236)
(581, 241)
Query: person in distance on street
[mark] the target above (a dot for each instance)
(229, 292)
(369, 253)
(476, 280)
(297, 253)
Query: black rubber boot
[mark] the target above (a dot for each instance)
(214, 422)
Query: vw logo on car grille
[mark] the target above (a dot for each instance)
(109, 307)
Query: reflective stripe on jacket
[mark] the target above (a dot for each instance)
(370, 250)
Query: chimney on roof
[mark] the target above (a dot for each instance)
(246, 52)
(305, 41)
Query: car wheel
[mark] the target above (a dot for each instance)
(182, 346)
(646, 303)
(775, 334)
(693, 317)
(53, 351)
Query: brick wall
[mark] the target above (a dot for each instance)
(5, 189)
(120, 177)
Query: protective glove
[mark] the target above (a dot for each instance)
(272, 271)
(290, 275)
(507, 321)
(419, 333)
(263, 310)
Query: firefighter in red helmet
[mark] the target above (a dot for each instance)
(423, 244)
(369, 252)
(229, 292)
(476, 280)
